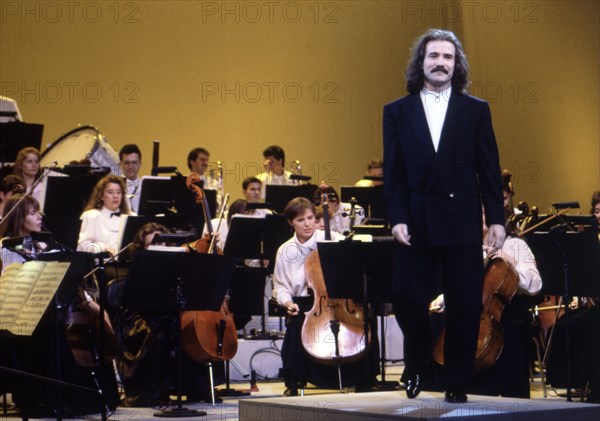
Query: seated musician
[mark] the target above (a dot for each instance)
(146, 359)
(290, 289)
(27, 166)
(584, 331)
(104, 217)
(509, 376)
(252, 190)
(25, 219)
(11, 184)
(374, 169)
(274, 169)
(341, 212)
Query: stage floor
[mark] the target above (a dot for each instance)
(318, 404)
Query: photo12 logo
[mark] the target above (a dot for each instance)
(72, 92)
(254, 92)
(28, 12)
(270, 11)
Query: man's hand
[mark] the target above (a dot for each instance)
(400, 233)
(495, 237)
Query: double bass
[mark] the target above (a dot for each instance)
(208, 335)
(333, 329)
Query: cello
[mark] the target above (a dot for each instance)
(500, 284)
(333, 329)
(208, 335)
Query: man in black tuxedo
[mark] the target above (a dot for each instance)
(440, 165)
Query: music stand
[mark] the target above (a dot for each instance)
(134, 223)
(190, 212)
(364, 271)
(370, 198)
(15, 136)
(247, 290)
(257, 238)
(65, 200)
(169, 283)
(280, 196)
(80, 264)
(568, 263)
(155, 195)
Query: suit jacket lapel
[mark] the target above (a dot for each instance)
(450, 123)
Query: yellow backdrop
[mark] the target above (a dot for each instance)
(310, 76)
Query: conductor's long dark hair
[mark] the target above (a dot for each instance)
(414, 72)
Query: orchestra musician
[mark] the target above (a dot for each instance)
(252, 190)
(374, 169)
(341, 212)
(290, 290)
(24, 219)
(584, 332)
(596, 206)
(131, 162)
(27, 166)
(275, 172)
(104, 217)
(11, 184)
(509, 376)
(434, 183)
(197, 162)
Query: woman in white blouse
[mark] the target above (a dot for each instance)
(291, 291)
(104, 217)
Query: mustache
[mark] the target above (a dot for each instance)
(440, 69)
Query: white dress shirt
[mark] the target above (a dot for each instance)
(101, 231)
(289, 279)
(435, 105)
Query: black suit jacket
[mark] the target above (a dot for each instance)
(439, 195)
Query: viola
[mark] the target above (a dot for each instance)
(333, 330)
(500, 284)
(208, 335)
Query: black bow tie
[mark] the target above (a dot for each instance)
(117, 214)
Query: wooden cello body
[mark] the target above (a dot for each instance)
(500, 284)
(333, 330)
(208, 335)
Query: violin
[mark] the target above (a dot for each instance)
(208, 335)
(333, 330)
(500, 284)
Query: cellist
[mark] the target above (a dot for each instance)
(290, 289)
(509, 376)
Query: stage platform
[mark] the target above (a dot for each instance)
(395, 406)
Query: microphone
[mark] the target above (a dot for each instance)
(564, 205)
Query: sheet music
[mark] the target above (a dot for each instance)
(26, 289)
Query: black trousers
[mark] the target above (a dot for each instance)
(420, 272)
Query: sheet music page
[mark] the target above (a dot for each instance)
(28, 289)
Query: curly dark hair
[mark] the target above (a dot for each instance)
(414, 72)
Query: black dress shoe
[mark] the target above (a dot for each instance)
(290, 392)
(414, 385)
(456, 397)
